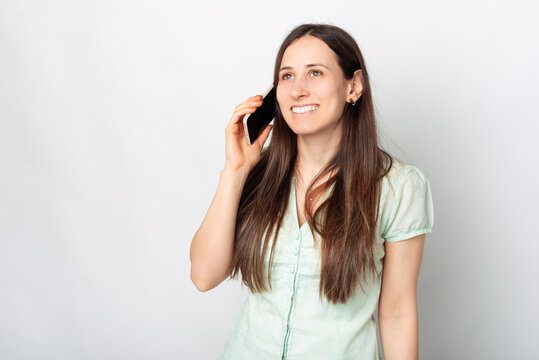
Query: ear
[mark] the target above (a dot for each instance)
(355, 86)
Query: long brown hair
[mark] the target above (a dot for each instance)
(350, 213)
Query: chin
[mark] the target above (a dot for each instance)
(300, 127)
(309, 129)
(304, 130)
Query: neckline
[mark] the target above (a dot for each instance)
(295, 205)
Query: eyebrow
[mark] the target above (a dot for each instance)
(307, 66)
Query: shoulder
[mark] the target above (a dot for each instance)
(402, 177)
(406, 207)
(405, 201)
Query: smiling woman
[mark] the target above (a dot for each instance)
(312, 93)
(315, 222)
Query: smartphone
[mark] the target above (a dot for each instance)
(254, 123)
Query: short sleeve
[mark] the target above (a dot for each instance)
(412, 212)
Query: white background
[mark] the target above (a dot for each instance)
(112, 118)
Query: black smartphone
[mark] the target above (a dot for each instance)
(254, 123)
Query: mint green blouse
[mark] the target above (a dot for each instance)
(290, 321)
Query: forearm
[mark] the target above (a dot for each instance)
(398, 332)
(212, 246)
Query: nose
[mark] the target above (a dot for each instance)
(299, 88)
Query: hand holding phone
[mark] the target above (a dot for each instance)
(256, 122)
(240, 154)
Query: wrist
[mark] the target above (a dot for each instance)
(235, 172)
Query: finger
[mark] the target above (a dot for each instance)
(244, 110)
(264, 135)
(248, 106)
(253, 103)
(238, 116)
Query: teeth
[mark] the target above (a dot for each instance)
(304, 109)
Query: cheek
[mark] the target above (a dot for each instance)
(281, 97)
(279, 93)
(329, 89)
(334, 96)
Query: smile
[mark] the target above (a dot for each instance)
(304, 109)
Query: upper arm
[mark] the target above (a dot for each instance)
(402, 262)
(410, 217)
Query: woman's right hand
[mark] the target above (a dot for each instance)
(239, 154)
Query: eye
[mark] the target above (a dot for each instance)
(284, 77)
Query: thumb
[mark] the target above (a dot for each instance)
(264, 135)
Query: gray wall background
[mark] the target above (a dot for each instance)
(112, 118)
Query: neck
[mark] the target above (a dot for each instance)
(314, 153)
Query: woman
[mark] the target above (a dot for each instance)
(314, 221)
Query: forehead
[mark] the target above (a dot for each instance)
(308, 50)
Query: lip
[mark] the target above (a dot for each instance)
(305, 114)
(302, 105)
